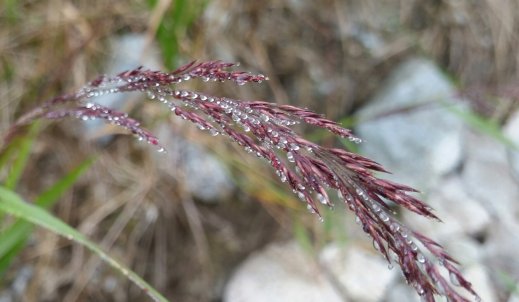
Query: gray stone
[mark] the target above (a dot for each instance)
(480, 280)
(408, 128)
(203, 175)
(364, 274)
(285, 272)
(460, 214)
(501, 251)
(511, 131)
(402, 293)
(281, 272)
(488, 179)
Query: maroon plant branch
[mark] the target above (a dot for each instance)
(265, 129)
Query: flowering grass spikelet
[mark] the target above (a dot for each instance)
(312, 171)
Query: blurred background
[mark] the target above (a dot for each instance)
(431, 86)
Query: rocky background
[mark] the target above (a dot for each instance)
(430, 87)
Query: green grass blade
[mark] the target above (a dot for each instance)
(12, 242)
(484, 125)
(12, 204)
(12, 239)
(23, 152)
(51, 195)
(7, 153)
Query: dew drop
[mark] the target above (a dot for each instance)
(310, 208)
(419, 289)
(355, 140)
(384, 217)
(420, 258)
(161, 150)
(290, 157)
(454, 279)
(301, 195)
(394, 227)
(274, 133)
(283, 177)
(265, 118)
(321, 198)
(294, 147)
(390, 266)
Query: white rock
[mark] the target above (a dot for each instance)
(285, 272)
(501, 249)
(488, 179)
(511, 130)
(364, 274)
(281, 272)
(460, 214)
(205, 177)
(402, 293)
(408, 128)
(481, 282)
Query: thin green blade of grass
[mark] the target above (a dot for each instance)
(13, 238)
(7, 153)
(484, 125)
(12, 204)
(51, 195)
(23, 152)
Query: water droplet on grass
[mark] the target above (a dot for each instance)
(321, 198)
(420, 258)
(454, 279)
(290, 157)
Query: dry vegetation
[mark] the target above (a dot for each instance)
(329, 56)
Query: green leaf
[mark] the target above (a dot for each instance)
(12, 204)
(12, 239)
